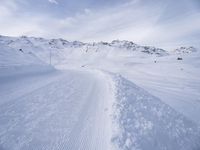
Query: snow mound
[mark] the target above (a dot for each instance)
(144, 122)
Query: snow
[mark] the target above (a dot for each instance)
(175, 82)
(69, 53)
(145, 122)
(60, 114)
(17, 57)
(104, 96)
(182, 50)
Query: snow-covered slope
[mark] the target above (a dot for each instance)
(60, 112)
(118, 95)
(109, 113)
(146, 123)
(17, 62)
(183, 50)
(65, 52)
(17, 57)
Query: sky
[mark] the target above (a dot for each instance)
(162, 23)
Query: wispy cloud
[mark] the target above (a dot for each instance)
(164, 24)
(53, 1)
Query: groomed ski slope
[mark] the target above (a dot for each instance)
(89, 110)
(70, 112)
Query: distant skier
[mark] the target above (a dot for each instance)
(21, 50)
(179, 58)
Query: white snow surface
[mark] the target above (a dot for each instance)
(102, 96)
(68, 110)
(146, 123)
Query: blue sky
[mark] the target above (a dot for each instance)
(163, 23)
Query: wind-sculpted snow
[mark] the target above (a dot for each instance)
(146, 123)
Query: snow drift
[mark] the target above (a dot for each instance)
(146, 123)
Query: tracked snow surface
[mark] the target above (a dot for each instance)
(97, 96)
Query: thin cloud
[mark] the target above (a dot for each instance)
(53, 1)
(140, 21)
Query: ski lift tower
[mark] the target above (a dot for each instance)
(50, 55)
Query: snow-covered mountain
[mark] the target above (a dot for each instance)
(183, 50)
(62, 50)
(18, 61)
(17, 57)
(106, 96)
(25, 42)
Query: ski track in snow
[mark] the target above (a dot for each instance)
(89, 110)
(71, 112)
